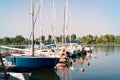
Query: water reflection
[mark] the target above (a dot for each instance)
(84, 59)
(105, 49)
(44, 74)
(18, 76)
(41, 74)
(64, 71)
(101, 64)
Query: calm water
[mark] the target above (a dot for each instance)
(102, 64)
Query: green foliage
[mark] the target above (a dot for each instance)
(103, 39)
(0, 40)
(83, 39)
(49, 38)
(112, 38)
(43, 38)
(59, 39)
(68, 38)
(73, 37)
(89, 39)
(6, 40)
(17, 40)
(117, 39)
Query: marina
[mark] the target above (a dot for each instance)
(59, 40)
(40, 57)
(102, 63)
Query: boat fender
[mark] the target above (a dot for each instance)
(9, 63)
(82, 70)
(83, 48)
(63, 52)
(88, 63)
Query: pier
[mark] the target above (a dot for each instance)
(3, 69)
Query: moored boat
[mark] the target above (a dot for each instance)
(32, 61)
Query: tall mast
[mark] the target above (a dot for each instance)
(32, 27)
(70, 26)
(40, 23)
(65, 23)
(54, 19)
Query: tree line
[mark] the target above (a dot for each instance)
(89, 39)
(19, 39)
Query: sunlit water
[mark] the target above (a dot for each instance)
(103, 65)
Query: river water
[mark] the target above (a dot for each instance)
(102, 64)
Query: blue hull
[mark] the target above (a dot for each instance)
(32, 62)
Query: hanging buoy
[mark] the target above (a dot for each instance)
(30, 74)
(82, 70)
(72, 68)
(70, 61)
(88, 63)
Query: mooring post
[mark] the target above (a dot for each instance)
(3, 66)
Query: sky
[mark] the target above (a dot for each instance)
(95, 17)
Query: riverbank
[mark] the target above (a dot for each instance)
(106, 45)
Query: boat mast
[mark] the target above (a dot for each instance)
(65, 23)
(70, 27)
(54, 19)
(32, 27)
(40, 23)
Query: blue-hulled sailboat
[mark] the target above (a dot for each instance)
(32, 61)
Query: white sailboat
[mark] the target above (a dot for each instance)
(33, 61)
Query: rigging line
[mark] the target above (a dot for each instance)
(35, 20)
(37, 15)
(68, 23)
(46, 15)
(54, 22)
(60, 18)
(68, 26)
(30, 37)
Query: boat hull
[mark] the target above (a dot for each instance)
(32, 62)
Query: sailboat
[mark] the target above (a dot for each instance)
(32, 61)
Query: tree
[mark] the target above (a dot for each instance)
(58, 39)
(68, 38)
(49, 38)
(83, 39)
(19, 39)
(37, 40)
(89, 39)
(40, 39)
(27, 41)
(12, 40)
(107, 38)
(73, 37)
(98, 40)
(6, 40)
(112, 38)
(0, 40)
(79, 38)
(117, 39)
(43, 38)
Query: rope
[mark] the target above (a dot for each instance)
(35, 22)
